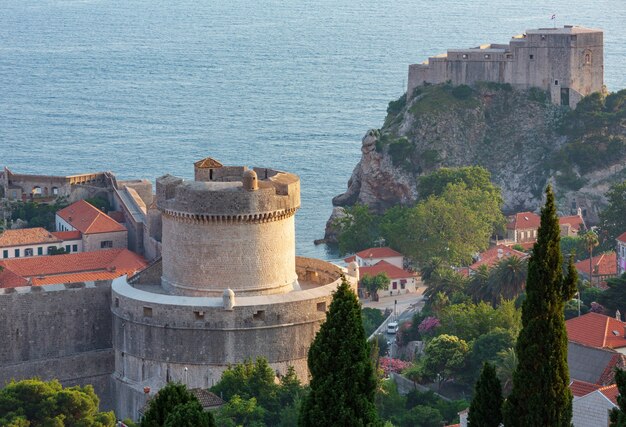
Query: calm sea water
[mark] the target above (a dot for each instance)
(144, 88)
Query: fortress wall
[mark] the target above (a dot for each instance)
(237, 255)
(55, 332)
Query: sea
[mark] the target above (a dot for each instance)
(146, 87)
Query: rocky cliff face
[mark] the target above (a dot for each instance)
(523, 140)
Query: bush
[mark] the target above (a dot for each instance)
(372, 319)
(400, 151)
(396, 106)
(462, 92)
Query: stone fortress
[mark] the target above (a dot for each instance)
(226, 288)
(567, 62)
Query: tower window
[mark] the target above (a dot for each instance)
(587, 58)
(531, 56)
(464, 56)
(556, 83)
(321, 306)
(259, 315)
(487, 56)
(147, 312)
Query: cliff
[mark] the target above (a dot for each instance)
(519, 136)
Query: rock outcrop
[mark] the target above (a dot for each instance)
(522, 139)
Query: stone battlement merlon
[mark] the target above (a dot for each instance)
(229, 193)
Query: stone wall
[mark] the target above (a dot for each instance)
(58, 331)
(93, 242)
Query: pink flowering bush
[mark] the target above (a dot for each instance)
(389, 365)
(428, 325)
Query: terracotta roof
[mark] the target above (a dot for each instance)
(208, 163)
(596, 330)
(385, 252)
(68, 235)
(26, 236)
(582, 388)
(610, 392)
(622, 237)
(206, 398)
(384, 267)
(350, 259)
(8, 279)
(523, 221)
(603, 265)
(79, 267)
(576, 222)
(490, 256)
(88, 219)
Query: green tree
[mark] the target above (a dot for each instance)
(164, 403)
(372, 319)
(613, 217)
(508, 278)
(478, 286)
(39, 403)
(375, 283)
(541, 394)
(444, 280)
(358, 229)
(471, 321)
(506, 364)
(617, 415)
(486, 348)
(189, 414)
(591, 241)
(444, 356)
(343, 383)
(486, 407)
(614, 298)
(241, 412)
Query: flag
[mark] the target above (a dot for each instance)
(553, 16)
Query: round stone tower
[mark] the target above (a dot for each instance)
(228, 288)
(230, 234)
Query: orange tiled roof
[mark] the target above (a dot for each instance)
(610, 392)
(350, 259)
(207, 162)
(523, 221)
(8, 279)
(88, 219)
(378, 253)
(582, 388)
(622, 237)
(27, 236)
(68, 235)
(79, 267)
(603, 265)
(596, 330)
(576, 222)
(490, 256)
(384, 267)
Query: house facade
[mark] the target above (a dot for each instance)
(98, 230)
(401, 281)
(372, 256)
(621, 254)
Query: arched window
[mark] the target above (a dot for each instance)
(587, 57)
(36, 191)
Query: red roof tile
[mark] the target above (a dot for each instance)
(68, 235)
(603, 265)
(88, 219)
(8, 279)
(350, 259)
(523, 221)
(622, 237)
(490, 256)
(576, 222)
(79, 267)
(582, 388)
(596, 330)
(27, 236)
(610, 392)
(385, 252)
(384, 267)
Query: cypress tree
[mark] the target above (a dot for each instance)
(486, 407)
(343, 383)
(617, 415)
(540, 395)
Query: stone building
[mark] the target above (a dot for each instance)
(228, 287)
(567, 62)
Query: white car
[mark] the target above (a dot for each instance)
(392, 327)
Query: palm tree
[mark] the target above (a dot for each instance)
(505, 366)
(591, 241)
(508, 278)
(478, 285)
(446, 281)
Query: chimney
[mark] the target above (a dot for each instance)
(618, 315)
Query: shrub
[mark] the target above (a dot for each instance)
(462, 92)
